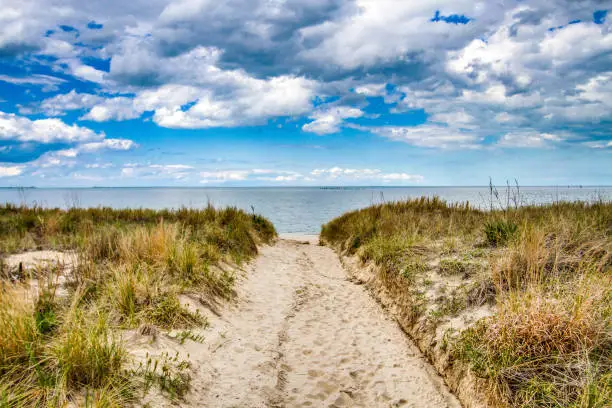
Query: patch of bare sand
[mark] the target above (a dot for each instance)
(32, 269)
(302, 335)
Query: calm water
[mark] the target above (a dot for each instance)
(294, 209)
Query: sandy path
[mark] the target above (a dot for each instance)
(302, 335)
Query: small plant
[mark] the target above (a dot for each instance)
(413, 268)
(169, 373)
(450, 266)
(187, 335)
(498, 233)
(167, 312)
(45, 317)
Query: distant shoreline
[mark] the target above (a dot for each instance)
(292, 187)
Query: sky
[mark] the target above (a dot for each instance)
(305, 92)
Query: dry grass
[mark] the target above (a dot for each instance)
(548, 269)
(132, 267)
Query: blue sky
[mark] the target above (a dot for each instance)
(297, 92)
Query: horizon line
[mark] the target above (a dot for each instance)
(312, 186)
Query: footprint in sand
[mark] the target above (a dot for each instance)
(318, 340)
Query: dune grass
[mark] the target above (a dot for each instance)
(547, 269)
(131, 268)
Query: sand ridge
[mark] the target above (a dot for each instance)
(303, 335)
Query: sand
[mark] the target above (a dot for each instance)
(37, 264)
(303, 335)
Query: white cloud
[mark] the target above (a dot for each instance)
(328, 120)
(110, 144)
(119, 108)
(215, 97)
(87, 72)
(170, 171)
(459, 118)
(433, 136)
(48, 83)
(68, 157)
(387, 31)
(339, 173)
(599, 144)
(402, 177)
(11, 171)
(249, 101)
(224, 175)
(73, 100)
(99, 165)
(530, 139)
(22, 129)
(241, 175)
(371, 89)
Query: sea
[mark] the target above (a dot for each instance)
(299, 210)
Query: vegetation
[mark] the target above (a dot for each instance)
(547, 270)
(131, 267)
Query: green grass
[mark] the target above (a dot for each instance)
(499, 232)
(133, 266)
(547, 269)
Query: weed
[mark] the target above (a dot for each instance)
(170, 373)
(184, 335)
(499, 232)
(167, 312)
(450, 266)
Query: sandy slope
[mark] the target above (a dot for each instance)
(302, 335)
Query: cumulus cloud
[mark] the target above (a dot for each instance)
(198, 94)
(371, 35)
(45, 135)
(118, 108)
(59, 104)
(22, 129)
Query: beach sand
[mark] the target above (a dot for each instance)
(303, 335)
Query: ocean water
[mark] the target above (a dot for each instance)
(291, 209)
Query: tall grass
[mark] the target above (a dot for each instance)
(549, 342)
(132, 267)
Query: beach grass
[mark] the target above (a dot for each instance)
(63, 345)
(546, 270)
